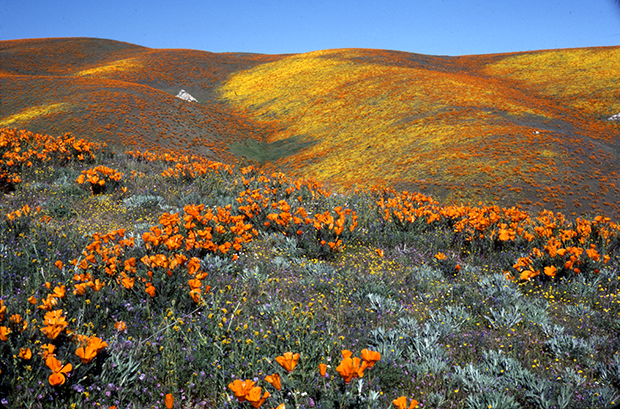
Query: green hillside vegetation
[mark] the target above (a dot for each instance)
(136, 280)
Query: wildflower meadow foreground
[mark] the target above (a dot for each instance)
(158, 280)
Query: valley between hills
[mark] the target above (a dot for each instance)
(526, 129)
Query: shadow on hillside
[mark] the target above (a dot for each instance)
(262, 151)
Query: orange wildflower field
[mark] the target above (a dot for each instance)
(522, 129)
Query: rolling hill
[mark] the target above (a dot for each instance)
(527, 129)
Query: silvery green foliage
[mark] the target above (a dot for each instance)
(384, 305)
(225, 200)
(472, 379)
(425, 272)
(451, 319)
(388, 342)
(435, 400)
(579, 310)
(492, 400)
(144, 201)
(64, 181)
(136, 236)
(536, 311)
(121, 367)
(214, 264)
(271, 308)
(573, 376)
(253, 275)
(540, 393)
(603, 397)
(609, 373)
(431, 365)
(507, 318)
(425, 347)
(570, 346)
(320, 269)
(580, 286)
(552, 331)
(424, 353)
(506, 370)
(285, 245)
(281, 263)
(502, 291)
(408, 325)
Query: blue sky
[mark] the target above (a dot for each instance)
(437, 27)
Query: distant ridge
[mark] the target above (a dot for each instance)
(527, 129)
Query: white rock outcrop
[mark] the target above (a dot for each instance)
(614, 117)
(186, 96)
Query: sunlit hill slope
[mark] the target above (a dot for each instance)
(526, 129)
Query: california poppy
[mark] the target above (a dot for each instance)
(169, 401)
(351, 368)
(288, 361)
(25, 353)
(59, 371)
(274, 380)
(241, 388)
(322, 369)
(370, 357)
(401, 403)
(254, 397)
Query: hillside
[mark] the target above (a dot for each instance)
(524, 129)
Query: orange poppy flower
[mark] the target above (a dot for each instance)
(47, 350)
(351, 368)
(120, 326)
(59, 371)
(274, 380)
(550, 271)
(370, 357)
(48, 303)
(59, 292)
(169, 401)
(440, 256)
(25, 353)
(55, 323)
(96, 285)
(401, 403)
(150, 289)
(322, 369)
(89, 352)
(195, 294)
(254, 397)
(241, 388)
(288, 361)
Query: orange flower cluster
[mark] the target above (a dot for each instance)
(351, 368)
(58, 370)
(560, 247)
(567, 248)
(261, 205)
(401, 403)
(55, 323)
(288, 361)
(91, 346)
(97, 177)
(245, 390)
(21, 148)
(170, 247)
(24, 211)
